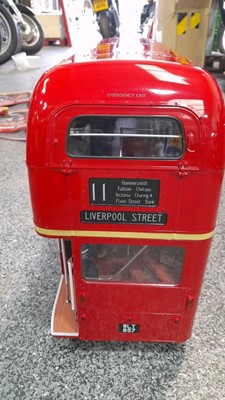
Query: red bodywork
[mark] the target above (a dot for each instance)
(113, 81)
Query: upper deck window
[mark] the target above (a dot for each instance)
(125, 137)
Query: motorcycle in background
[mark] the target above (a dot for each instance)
(146, 14)
(19, 30)
(107, 17)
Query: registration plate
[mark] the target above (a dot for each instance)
(100, 5)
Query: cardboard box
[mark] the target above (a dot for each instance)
(52, 25)
(182, 25)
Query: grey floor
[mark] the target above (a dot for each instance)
(36, 366)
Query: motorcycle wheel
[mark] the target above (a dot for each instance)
(221, 40)
(33, 37)
(9, 35)
(105, 26)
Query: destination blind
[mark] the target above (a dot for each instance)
(124, 192)
(123, 217)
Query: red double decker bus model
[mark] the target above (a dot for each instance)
(125, 157)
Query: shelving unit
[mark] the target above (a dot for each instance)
(57, 18)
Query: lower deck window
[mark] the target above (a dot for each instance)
(125, 137)
(127, 263)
